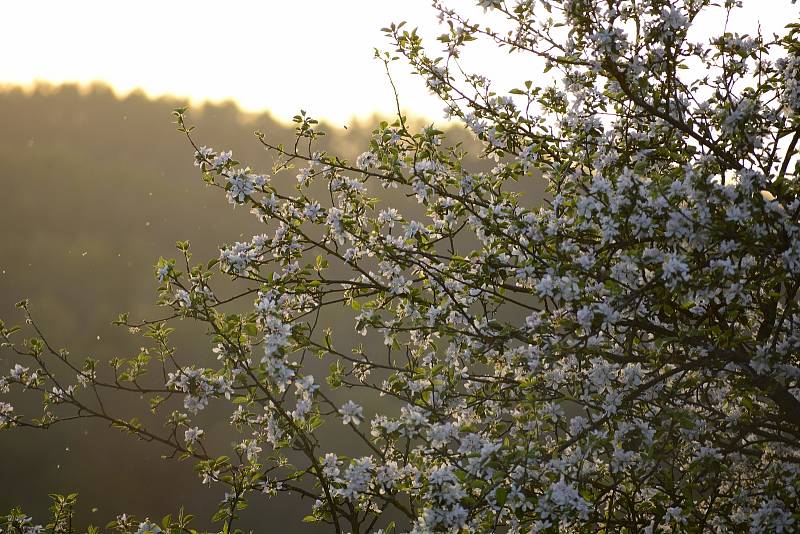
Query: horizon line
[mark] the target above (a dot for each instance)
(86, 88)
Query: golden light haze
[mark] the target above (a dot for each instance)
(281, 56)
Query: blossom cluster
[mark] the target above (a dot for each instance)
(620, 354)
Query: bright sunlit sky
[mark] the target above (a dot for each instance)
(267, 54)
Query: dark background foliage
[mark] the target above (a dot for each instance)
(94, 189)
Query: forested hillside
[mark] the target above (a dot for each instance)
(94, 189)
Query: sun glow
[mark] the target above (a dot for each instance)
(281, 56)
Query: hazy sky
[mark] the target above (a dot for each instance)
(266, 54)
